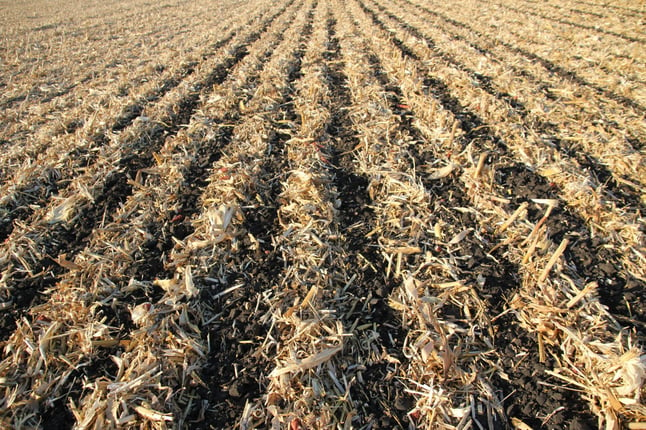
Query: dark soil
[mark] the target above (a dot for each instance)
(382, 401)
(229, 390)
(533, 395)
(624, 295)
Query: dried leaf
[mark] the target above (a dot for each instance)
(152, 414)
(460, 236)
(442, 172)
(307, 363)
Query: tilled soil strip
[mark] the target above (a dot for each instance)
(240, 266)
(245, 383)
(378, 399)
(306, 333)
(495, 278)
(438, 387)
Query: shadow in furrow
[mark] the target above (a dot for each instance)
(382, 405)
(227, 390)
(131, 112)
(592, 258)
(483, 81)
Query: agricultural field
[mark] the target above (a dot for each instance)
(323, 214)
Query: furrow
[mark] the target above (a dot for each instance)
(437, 298)
(490, 273)
(306, 332)
(363, 307)
(441, 349)
(235, 257)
